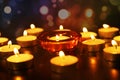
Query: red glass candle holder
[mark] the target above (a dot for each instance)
(67, 44)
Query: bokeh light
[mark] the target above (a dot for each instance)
(53, 1)
(49, 17)
(119, 8)
(50, 23)
(63, 14)
(54, 5)
(61, 0)
(115, 2)
(7, 9)
(44, 10)
(104, 8)
(88, 13)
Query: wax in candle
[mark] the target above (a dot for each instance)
(26, 40)
(67, 60)
(3, 41)
(64, 60)
(112, 50)
(34, 30)
(59, 38)
(6, 48)
(87, 34)
(107, 31)
(93, 45)
(93, 42)
(20, 58)
(117, 38)
(112, 53)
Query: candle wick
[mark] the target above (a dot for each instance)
(17, 54)
(115, 46)
(9, 46)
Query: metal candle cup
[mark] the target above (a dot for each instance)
(86, 34)
(112, 53)
(27, 40)
(19, 61)
(62, 64)
(93, 45)
(34, 30)
(7, 50)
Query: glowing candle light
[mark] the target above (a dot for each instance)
(114, 43)
(62, 61)
(34, 30)
(107, 31)
(106, 26)
(93, 44)
(9, 47)
(55, 41)
(9, 43)
(3, 40)
(117, 39)
(61, 28)
(59, 38)
(112, 53)
(87, 34)
(19, 61)
(26, 40)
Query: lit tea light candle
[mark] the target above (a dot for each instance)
(112, 53)
(19, 61)
(34, 30)
(63, 63)
(55, 41)
(107, 31)
(27, 40)
(117, 39)
(87, 34)
(61, 28)
(93, 44)
(58, 37)
(9, 47)
(3, 40)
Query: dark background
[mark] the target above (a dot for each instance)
(19, 14)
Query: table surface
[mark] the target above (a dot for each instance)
(91, 66)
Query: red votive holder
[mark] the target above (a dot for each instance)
(55, 41)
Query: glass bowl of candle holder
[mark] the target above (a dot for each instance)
(67, 40)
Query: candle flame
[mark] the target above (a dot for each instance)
(25, 33)
(106, 26)
(57, 37)
(16, 52)
(61, 27)
(9, 43)
(32, 26)
(85, 29)
(61, 53)
(92, 37)
(114, 43)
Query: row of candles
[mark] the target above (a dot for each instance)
(59, 41)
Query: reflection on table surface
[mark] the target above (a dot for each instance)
(91, 66)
